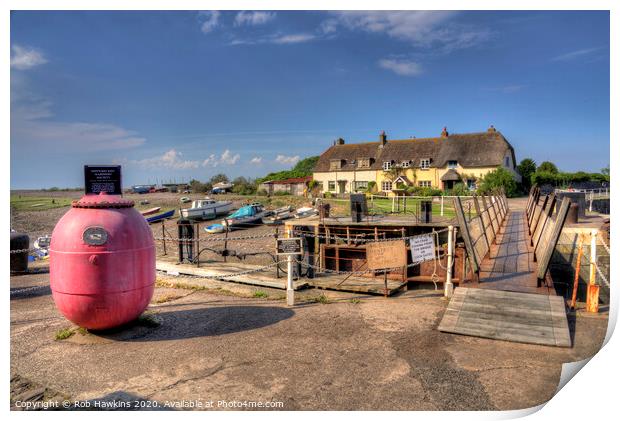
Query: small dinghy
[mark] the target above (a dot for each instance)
(160, 217)
(279, 216)
(150, 211)
(215, 229)
(305, 212)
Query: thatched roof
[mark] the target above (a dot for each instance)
(484, 149)
(451, 175)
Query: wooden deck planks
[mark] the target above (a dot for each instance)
(505, 315)
(509, 266)
(362, 284)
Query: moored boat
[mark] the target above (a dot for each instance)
(207, 209)
(150, 211)
(278, 216)
(245, 216)
(160, 217)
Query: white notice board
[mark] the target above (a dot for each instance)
(422, 248)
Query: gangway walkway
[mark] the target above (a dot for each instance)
(513, 297)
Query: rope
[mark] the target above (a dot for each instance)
(360, 272)
(605, 246)
(24, 290)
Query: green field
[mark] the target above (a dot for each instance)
(38, 203)
(407, 206)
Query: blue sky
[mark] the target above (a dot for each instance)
(180, 95)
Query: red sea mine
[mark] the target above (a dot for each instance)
(102, 262)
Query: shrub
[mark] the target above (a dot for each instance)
(459, 189)
(281, 193)
(261, 192)
(496, 179)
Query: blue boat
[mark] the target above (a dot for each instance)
(160, 217)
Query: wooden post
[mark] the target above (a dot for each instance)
(537, 218)
(441, 212)
(163, 235)
(593, 289)
(577, 270)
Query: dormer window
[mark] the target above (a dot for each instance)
(425, 163)
(335, 164)
(363, 163)
(452, 165)
(387, 165)
(405, 164)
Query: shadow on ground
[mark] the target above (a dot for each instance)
(201, 322)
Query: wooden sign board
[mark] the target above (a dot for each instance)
(102, 178)
(386, 254)
(288, 246)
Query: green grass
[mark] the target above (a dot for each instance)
(355, 301)
(260, 294)
(38, 203)
(321, 299)
(65, 333)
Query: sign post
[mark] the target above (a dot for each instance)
(102, 179)
(289, 247)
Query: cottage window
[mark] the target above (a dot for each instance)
(425, 183)
(405, 164)
(387, 165)
(471, 184)
(386, 186)
(452, 164)
(360, 185)
(331, 185)
(335, 164)
(507, 162)
(363, 163)
(425, 163)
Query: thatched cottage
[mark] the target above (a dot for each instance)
(394, 165)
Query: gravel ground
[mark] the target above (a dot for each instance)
(354, 352)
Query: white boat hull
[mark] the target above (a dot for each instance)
(210, 212)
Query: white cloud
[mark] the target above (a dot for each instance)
(23, 58)
(420, 28)
(256, 160)
(209, 20)
(31, 127)
(292, 38)
(328, 26)
(575, 54)
(287, 160)
(227, 158)
(401, 67)
(253, 18)
(171, 159)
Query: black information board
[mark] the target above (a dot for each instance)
(288, 246)
(102, 178)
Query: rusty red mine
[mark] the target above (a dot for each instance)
(102, 262)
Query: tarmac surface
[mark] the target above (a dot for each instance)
(332, 351)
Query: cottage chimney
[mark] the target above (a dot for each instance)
(382, 139)
(492, 129)
(340, 141)
(444, 132)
